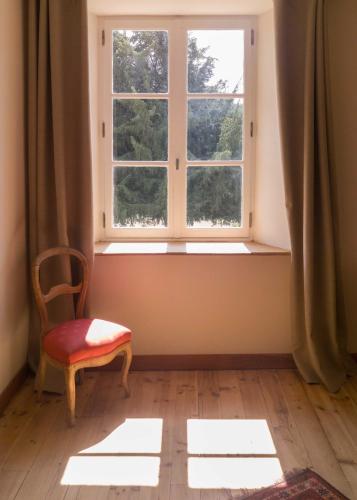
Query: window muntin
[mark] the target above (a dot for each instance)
(168, 108)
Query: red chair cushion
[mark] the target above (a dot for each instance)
(82, 339)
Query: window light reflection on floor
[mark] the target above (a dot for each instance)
(105, 463)
(233, 473)
(121, 458)
(112, 471)
(134, 435)
(229, 437)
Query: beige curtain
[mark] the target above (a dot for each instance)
(319, 337)
(59, 159)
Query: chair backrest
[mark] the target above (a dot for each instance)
(62, 289)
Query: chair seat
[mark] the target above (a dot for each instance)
(83, 339)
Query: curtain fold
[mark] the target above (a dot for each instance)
(59, 153)
(319, 336)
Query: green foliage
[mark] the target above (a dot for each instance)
(140, 130)
(140, 61)
(140, 195)
(201, 69)
(140, 134)
(231, 133)
(214, 129)
(215, 191)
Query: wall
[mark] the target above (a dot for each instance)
(342, 63)
(270, 221)
(181, 8)
(181, 304)
(189, 304)
(13, 283)
(196, 304)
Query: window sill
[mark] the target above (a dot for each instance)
(187, 248)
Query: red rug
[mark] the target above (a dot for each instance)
(305, 485)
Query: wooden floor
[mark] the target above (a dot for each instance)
(121, 440)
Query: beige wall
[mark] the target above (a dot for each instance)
(240, 304)
(185, 304)
(270, 225)
(13, 285)
(342, 45)
(178, 8)
(194, 304)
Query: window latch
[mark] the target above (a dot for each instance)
(177, 163)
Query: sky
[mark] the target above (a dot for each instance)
(229, 64)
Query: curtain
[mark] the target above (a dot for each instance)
(319, 336)
(59, 155)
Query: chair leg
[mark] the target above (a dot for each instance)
(40, 376)
(125, 369)
(69, 374)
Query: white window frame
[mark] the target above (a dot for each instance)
(177, 97)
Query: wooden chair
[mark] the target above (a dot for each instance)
(80, 343)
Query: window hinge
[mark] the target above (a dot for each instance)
(252, 36)
(103, 129)
(250, 219)
(103, 219)
(251, 129)
(103, 37)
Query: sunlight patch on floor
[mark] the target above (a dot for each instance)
(112, 471)
(233, 473)
(134, 435)
(229, 437)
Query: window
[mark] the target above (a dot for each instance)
(176, 106)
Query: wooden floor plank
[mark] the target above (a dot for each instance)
(209, 407)
(253, 400)
(322, 457)
(107, 412)
(44, 477)
(331, 415)
(10, 484)
(288, 440)
(186, 407)
(16, 417)
(181, 491)
(309, 426)
(230, 396)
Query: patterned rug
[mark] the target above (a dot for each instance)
(305, 485)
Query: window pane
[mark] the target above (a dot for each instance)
(140, 197)
(139, 61)
(140, 129)
(215, 129)
(215, 61)
(214, 196)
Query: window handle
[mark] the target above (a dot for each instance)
(177, 163)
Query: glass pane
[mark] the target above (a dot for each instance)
(140, 197)
(214, 196)
(215, 129)
(139, 61)
(140, 129)
(216, 61)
